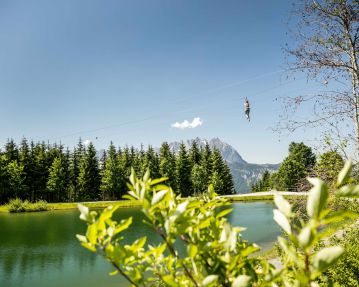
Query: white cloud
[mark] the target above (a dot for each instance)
(87, 142)
(196, 122)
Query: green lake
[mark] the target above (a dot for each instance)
(41, 250)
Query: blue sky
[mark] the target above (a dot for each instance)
(126, 70)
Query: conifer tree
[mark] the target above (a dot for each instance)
(217, 182)
(3, 180)
(89, 177)
(228, 179)
(76, 159)
(11, 151)
(151, 162)
(126, 162)
(40, 169)
(26, 163)
(263, 184)
(167, 165)
(57, 184)
(140, 165)
(198, 179)
(221, 174)
(206, 162)
(103, 160)
(68, 170)
(16, 179)
(133, 160)
(183, 172)
(111, 176)
(194, 153)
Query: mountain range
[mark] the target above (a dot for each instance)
(243, 173)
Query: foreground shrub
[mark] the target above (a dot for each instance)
(215, 253)
(18, 205)
(346, 271)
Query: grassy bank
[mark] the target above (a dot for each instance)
(94, 204)
(127, 203)
(73, 205)
(269, 197)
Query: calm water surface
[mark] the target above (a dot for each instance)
(40, 249)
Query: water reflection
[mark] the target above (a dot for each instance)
(40, 249)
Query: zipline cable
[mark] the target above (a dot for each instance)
(183, 99)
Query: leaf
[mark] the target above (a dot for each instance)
(283, 205)
(306, 237)
(168, 279)
(344, 174)
(139, 243)
(85, 214)
(158, 187)
(290, 252)
(181, 208)
(131, 198)
(124, 224)
(158, 197)
(242, 281)
(349, 191)
(113, 273)
(326, 257)
(133, 176)
(92, 233)
(317, 197)
(210, 279)
(224, 212)
(146, 175)
(192, 250)
(282, 221)
(211, 191)
(158, 180)
(81, 238)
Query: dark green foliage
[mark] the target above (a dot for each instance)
(221, 177)
(167, 165)
(183, 172)
(16, 179)
(263, 184)
(329, 165)
(3, 179)
(295, 167)
(302, 154)
(111, 175)
(289, 173)
(151, 162)
(11, 152)
(89, 176)
(206, 162)
(40, 171)
(58, 182)
(198, 178)
(194, 153)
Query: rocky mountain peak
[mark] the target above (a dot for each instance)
(229, 153)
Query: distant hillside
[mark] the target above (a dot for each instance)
(244, 173)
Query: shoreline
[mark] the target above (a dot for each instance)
(248, 197)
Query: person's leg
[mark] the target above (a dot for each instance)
(247, 114)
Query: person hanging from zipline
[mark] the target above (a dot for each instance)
(247, 109)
